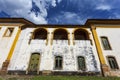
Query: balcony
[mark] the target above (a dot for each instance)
(82, 42)
(38, 42)
(60, 42)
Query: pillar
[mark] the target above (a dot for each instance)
(104, 67)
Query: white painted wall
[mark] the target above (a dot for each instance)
(23, 50)
(113, 35)
(6, 43)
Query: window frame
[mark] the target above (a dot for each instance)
(10, 34)
(58, 68)
(108, 43)
(115, 61)
(82, 66)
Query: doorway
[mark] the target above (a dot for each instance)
(34, 64)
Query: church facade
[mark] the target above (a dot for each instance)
(90, 49)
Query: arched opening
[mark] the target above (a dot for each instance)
(33, 67)
(81, 37)
(81, 34)
(81, 63)
(60, 34)
(40, 34)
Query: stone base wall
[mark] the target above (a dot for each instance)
(107, 72)
(5, 64)
(76, 73)
(56, 73)
(114, 73)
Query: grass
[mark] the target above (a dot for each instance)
(62, 78)
(73, 78)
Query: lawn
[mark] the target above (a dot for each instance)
(74, 78)
(62, 78)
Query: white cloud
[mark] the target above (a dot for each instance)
(54, 3)
(59, 1)
(72, 9)
(21, 8)
(68, 18)
(103, 7)
(38, 19)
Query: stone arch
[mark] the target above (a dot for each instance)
(60, 34)
(81, 34)
(40, 33)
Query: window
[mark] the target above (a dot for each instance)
(105, 43)
(8, 32)
(58, 62)
(81, 63)
(112, 62)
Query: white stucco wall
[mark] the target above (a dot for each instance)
(23, 51)
(113, 35)
(6, 42)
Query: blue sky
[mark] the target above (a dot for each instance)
(60, 11)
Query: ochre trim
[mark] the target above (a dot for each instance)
(99, 50)
(11, 24)
(13, 45)
(107, 25)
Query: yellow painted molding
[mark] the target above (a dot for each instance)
(11, 24)
(99, 50)
(14, 44)
(106, 26)
(51, 39)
